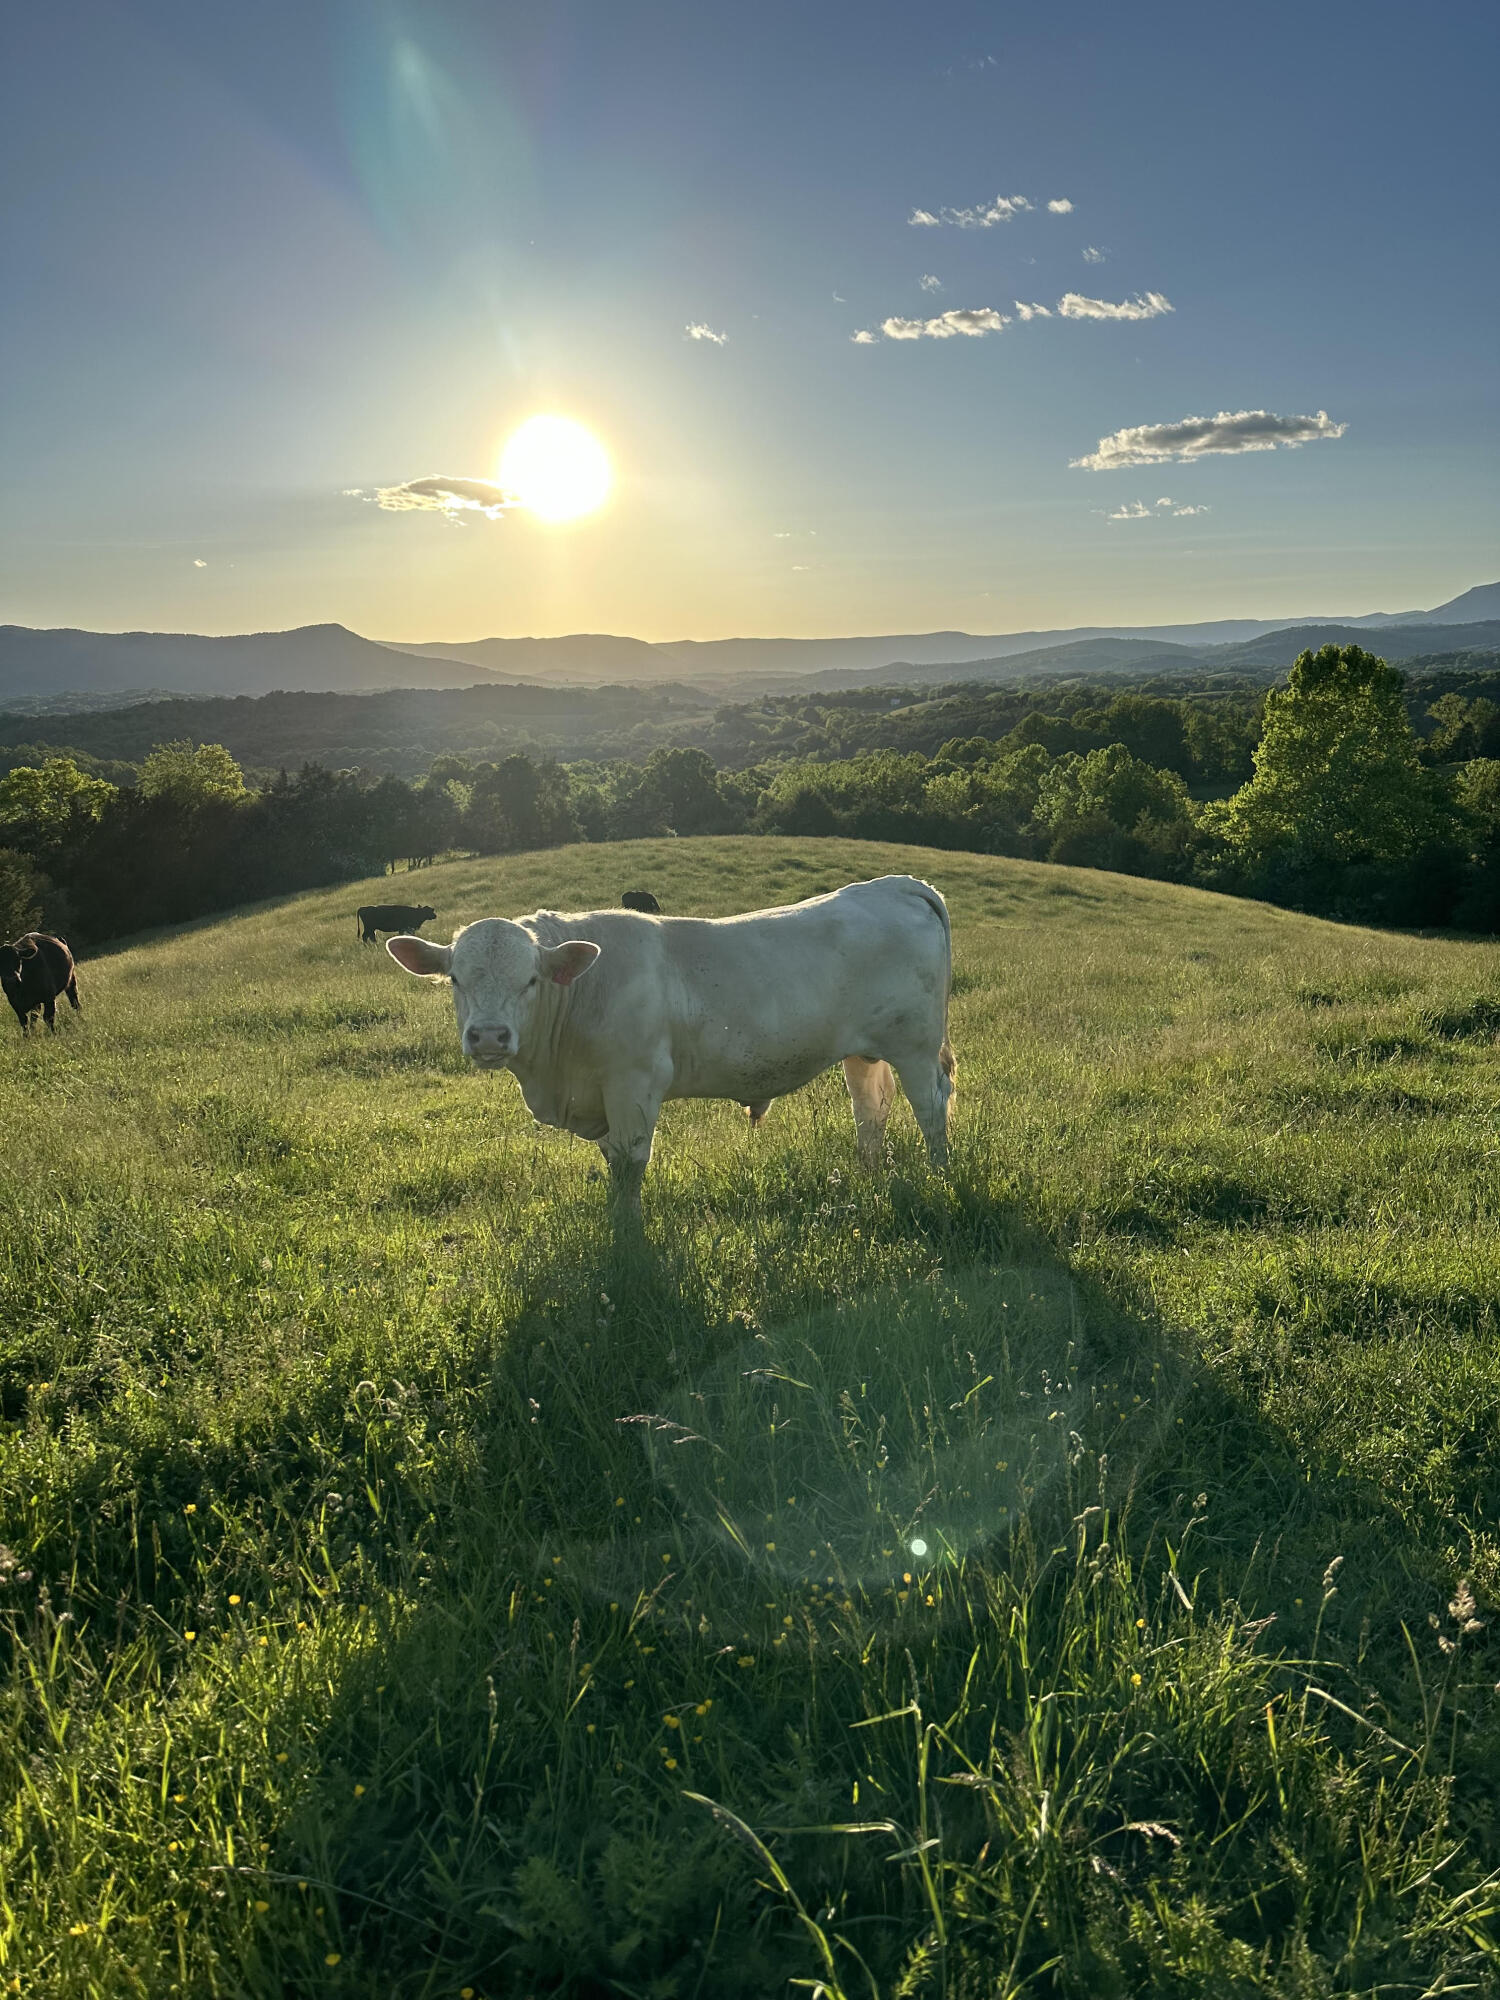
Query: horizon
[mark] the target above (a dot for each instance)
(856, 326)
(1105, 626)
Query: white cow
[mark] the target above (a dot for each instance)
(746, 1008)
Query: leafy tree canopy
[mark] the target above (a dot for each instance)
(191, 774)
(45, 798)
(1338, 779)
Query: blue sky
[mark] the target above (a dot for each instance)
(263, 264)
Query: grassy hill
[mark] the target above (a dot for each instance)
(1047, 1578)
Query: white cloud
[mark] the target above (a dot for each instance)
(199, 563)
(931, 284)
(864, 338)
(698, 331)
(1165, 500)
(1092, 254)
(1061, 207)
(1202, 437)
(839, 299)
(1073, 305)
(1033, 311)
(440, 495)
(1137, 510)
(971, 320)
(1001, 209)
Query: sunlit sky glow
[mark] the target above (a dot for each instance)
(883, 319)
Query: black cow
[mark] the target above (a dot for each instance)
(392, 917)
(34, 971)
(642, 900)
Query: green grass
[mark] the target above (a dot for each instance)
(1043, 1579)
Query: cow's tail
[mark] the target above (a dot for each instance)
(947, 1061)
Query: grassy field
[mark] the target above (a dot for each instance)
(1069, 1576)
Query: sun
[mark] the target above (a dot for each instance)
(556, 468)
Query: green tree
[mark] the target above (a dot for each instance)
(191, 774)
(1113, 785)
(1338, 780)
(20, 894)
(40, 802)
(1461, 729)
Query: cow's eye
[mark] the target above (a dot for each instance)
(531, 982)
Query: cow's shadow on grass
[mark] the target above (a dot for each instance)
(671, 1492)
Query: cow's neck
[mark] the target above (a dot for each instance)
(544, 1070)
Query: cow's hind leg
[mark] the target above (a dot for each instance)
(928, 1083)
(49, 1013)
(872, 1092)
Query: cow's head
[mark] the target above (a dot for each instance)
(497, 970)
(13, 958)
(426, 915)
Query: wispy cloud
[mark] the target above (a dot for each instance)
(931, 284)
(1033, 311)
(985, 216)
(864, 338)
(1092, 254)
(1137, 510)
(441, 495)
(1203, 437)
(972, 320)
(698, 331)
(1148, 305)
(199, 563)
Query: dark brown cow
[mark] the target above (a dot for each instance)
(392, 917)
(34, 971)
(642, 900)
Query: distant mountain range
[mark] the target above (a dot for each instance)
(51, 665)
(328, 658)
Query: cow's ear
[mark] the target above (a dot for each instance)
(414, 954)
(562, 963)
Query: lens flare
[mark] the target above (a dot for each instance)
(556, 468)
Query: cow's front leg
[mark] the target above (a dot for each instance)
(631, 1109)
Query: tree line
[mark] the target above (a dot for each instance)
(1321, 795)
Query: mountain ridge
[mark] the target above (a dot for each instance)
(330, 658)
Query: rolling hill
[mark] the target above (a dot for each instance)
(413, 1585)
